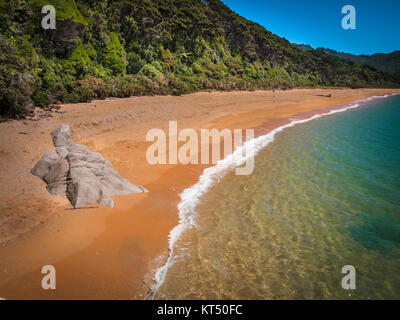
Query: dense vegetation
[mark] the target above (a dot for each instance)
(103, 48)
(385, 62)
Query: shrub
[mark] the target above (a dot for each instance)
(16, 83)
(79, 93)
(197, 68)
(80, 63)
(135, 63)
(114, 56)
(99, 87)
(167, 58)
(149, 70)
(40, 98)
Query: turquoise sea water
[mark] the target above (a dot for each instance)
(323, 195)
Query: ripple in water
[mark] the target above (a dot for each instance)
(323, 195)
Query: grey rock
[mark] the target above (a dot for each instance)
(81, 175)
(86, 189)
(61, 136)
(53, 170)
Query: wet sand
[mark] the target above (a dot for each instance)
(103, 253)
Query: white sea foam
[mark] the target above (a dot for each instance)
(190, 197)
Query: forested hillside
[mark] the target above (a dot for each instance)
(385, 62)
(103, 48)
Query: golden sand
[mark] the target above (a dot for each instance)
(103, 253)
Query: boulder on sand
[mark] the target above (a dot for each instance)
(81, 175)
(53, 170)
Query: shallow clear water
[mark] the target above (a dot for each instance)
(323, 195)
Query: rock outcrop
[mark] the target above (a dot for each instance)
(81, 175)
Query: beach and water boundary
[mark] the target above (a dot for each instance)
(190, 197)
(220, 118)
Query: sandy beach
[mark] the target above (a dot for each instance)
(103, 253)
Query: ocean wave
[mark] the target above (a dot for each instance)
(190, 197)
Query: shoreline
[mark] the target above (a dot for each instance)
(118, 248)
(190, 197)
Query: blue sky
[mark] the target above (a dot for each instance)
(318, 22)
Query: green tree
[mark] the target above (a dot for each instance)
(80, 61)
(114, 56)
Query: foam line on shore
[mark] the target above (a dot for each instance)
(190, 197)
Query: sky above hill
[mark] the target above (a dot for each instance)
(319, 23)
